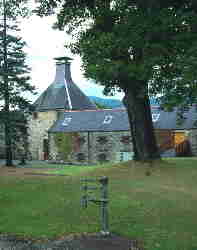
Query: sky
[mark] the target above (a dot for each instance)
(43, 45)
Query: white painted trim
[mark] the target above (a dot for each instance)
(68, 96)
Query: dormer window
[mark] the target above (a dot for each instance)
(155, 117)
(108, 119)
(66, 121)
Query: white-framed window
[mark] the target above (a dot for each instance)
(155, 117)
(66, 121)
(108, 119)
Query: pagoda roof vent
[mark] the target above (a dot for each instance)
(63, 93)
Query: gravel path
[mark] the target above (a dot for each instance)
(85, 242)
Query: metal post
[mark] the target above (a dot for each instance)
(102, 201)
(104, 205)
(88, 147)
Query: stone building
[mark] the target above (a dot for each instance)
(67, 126)
(103, 135)
(91, 144)
(61, 95)
(93, 135)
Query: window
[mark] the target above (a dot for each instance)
(35, 115)
(102, 140)
(108, 119)
(59, 114)
(102, 157)
(155, 117)
(66, 121)
(81, 157)
(81, 140)
(126, 139)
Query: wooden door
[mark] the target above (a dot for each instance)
(182, 144)
(179, 137)
(165, 139)
(46, 149)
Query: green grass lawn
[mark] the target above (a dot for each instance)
(159, 209)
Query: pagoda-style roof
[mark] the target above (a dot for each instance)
(63, 93)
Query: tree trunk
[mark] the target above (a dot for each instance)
(8, 142)
(142, 131)
(125, 101)
(8, 139)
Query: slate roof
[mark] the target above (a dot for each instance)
(92, 120)
(168, 120)
(117, 120)
(63, 93)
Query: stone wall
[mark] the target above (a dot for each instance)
(39, 123)
(95, 147)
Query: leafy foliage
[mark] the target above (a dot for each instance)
(123, 41)
(15, 9)
(142, 47)
(64, 144)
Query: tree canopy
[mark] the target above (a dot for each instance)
(152, 40)
(143, 47)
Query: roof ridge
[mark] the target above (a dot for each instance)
(96, 110)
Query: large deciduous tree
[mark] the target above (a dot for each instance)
(143, 47)
(14, 79)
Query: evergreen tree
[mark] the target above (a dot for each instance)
(143, 47)
(14, 79)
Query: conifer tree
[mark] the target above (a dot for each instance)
(14, 78)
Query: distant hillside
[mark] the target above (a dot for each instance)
(108, 103)
(114, 103)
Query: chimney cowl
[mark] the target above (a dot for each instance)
(63, 60)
